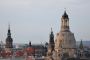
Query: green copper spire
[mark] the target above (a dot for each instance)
(81, 45)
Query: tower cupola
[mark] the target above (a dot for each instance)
(65, 15)
(65, 22)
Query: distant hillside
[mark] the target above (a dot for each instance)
(85, 43)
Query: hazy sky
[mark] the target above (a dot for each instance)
(31, 20)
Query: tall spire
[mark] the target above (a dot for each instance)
(51, 35)
(51, 30)
(51, 40)
(30, 44)
(81, 45)
(9, 40)
(8, 26)
(9, 32)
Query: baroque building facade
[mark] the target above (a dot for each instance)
(65, 43)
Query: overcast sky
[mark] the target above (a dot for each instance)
(31, 20)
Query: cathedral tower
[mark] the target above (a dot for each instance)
(9, 40)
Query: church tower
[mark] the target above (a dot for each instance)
(65, 43)
(81, 45)
(9, 40)
(51, 43)
(81, 50)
